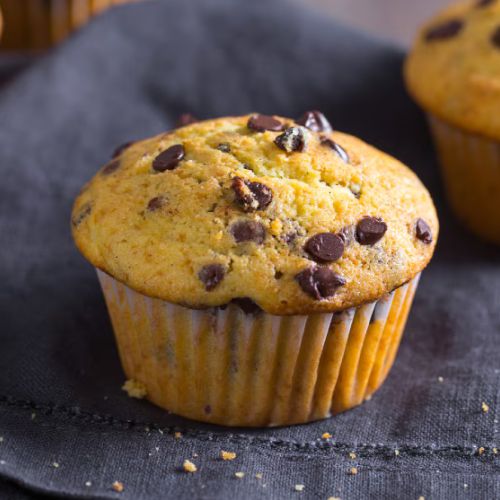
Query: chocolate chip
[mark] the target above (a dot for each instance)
(84, 212)
(325, 141)
(120, 149)
(423, 232)
(224, 147)
(278, 275)
(186, 119)
(495, 37)
(251, 195)
(319, 282)
(484, 3)
(290, 237)
(169, 159)
(111, 167)
(211, 275)
(445, 30)
(260, 123)
(247, 305)
(292, 139)
(315, 121)
(207, 409)
(369, 230)
(156, 203)
(248, 230)
(325, 247)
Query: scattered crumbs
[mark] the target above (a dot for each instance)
(440, 380)
(495, 451)
(188, 466)
(465, 486)
(485, 407)
(55, 465)
(177, 435)
(88, 484)
(239, 475)
(195, 455)
(33, 416)
(134, 389)
(157, 448)
(368, 398)
(396, 452)
(160, 431)
(421, 498)
(333, 498)
(258, 475)
(1, 439)
(353, 471)
(227, 455)
(299, 487)
(117, 486)
(326, 435)
(352, 455)
(480, 451)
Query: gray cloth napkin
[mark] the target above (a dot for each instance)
(67, 427)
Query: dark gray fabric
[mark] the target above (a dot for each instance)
(126, 76)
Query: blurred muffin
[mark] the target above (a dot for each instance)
(258, 270)
(39, 24)
(453, 72)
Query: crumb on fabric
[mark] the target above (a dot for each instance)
(485, 407)
(396, 452)
(353, 471)
(55, 465)
(160, 431)
(1, 439)
(480, 451)
(352, 455)
(333, 498)
(33, 416)
(117, 486)
(326, 435)
(188, 466)
(299, 487)
(227, 455)
(258, 475)
(239, 475)
(177, 435)
(134, 389)
(440, 380)
(368, 398)
(88, 484)
(421, 498)
(495, 451)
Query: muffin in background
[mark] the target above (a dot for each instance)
(39, 24)
(453, 72)
(258, 270)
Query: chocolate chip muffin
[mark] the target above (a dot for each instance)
(258, 270)
(453, 72)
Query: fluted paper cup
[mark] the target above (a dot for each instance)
(470, 166)
(225, 366)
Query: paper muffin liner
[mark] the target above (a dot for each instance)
(224, 366)
(38, 24)
(470, 166)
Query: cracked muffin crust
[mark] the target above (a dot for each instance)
(285, 215)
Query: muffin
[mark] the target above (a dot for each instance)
(39, 24)
(258, 270)
(453, 72)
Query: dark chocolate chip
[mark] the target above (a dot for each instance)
(186, 119)
(248, 306)
(445, 30)
(260, 123)
(325, 247)
(369, 230)
(423, 232)
(484, 3)
(341, 152)
(278, 275)
(120, 149)
(292, 139)
(156, 203)
(495, 38)
(110, 167)
(248, 230)
(84, 212)
(315, 121)
(169, 159)
(290, 237)
(319, 282)
(207, 409)
(224, 147)
(211, 275)
(251, 195)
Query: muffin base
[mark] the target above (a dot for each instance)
(228, 367)
(471, 169)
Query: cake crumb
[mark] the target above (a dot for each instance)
(480, 451)
(353, 471)
(227, 455)
(352, 455)
(299, 487)
(177, 435)
(465, 486)
(258, 475)
(396, 452)
(88, 484)
(33, 416)
(485, 407)
(188, 466)
(326, 435)
(2, 462)
(368, 398)
(1, 439)
(495, 451)
(239, 475)
(333, 498)
(195, 455)
(421, 498)
(134, 389)
(440, 380)
(160, 431)
(117, 486)
(55, 465)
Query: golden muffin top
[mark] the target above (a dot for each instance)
(264, 211)
(453, 70)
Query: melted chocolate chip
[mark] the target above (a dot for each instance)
(211, 275)
(156, 203)
(484, 3)
(111, 167)
(292, 139)
(169, 159)
(325, 247)
(224, 147)
(248, 230)
(319, 282)
(251, 195)
(186, 119)
(260, 123)
(341, 152)
(423, 232)
(84, 212)
(120, 149)
(495, 38)
(369, 230)
(248, 306)
(445, 30)
(315, 121)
